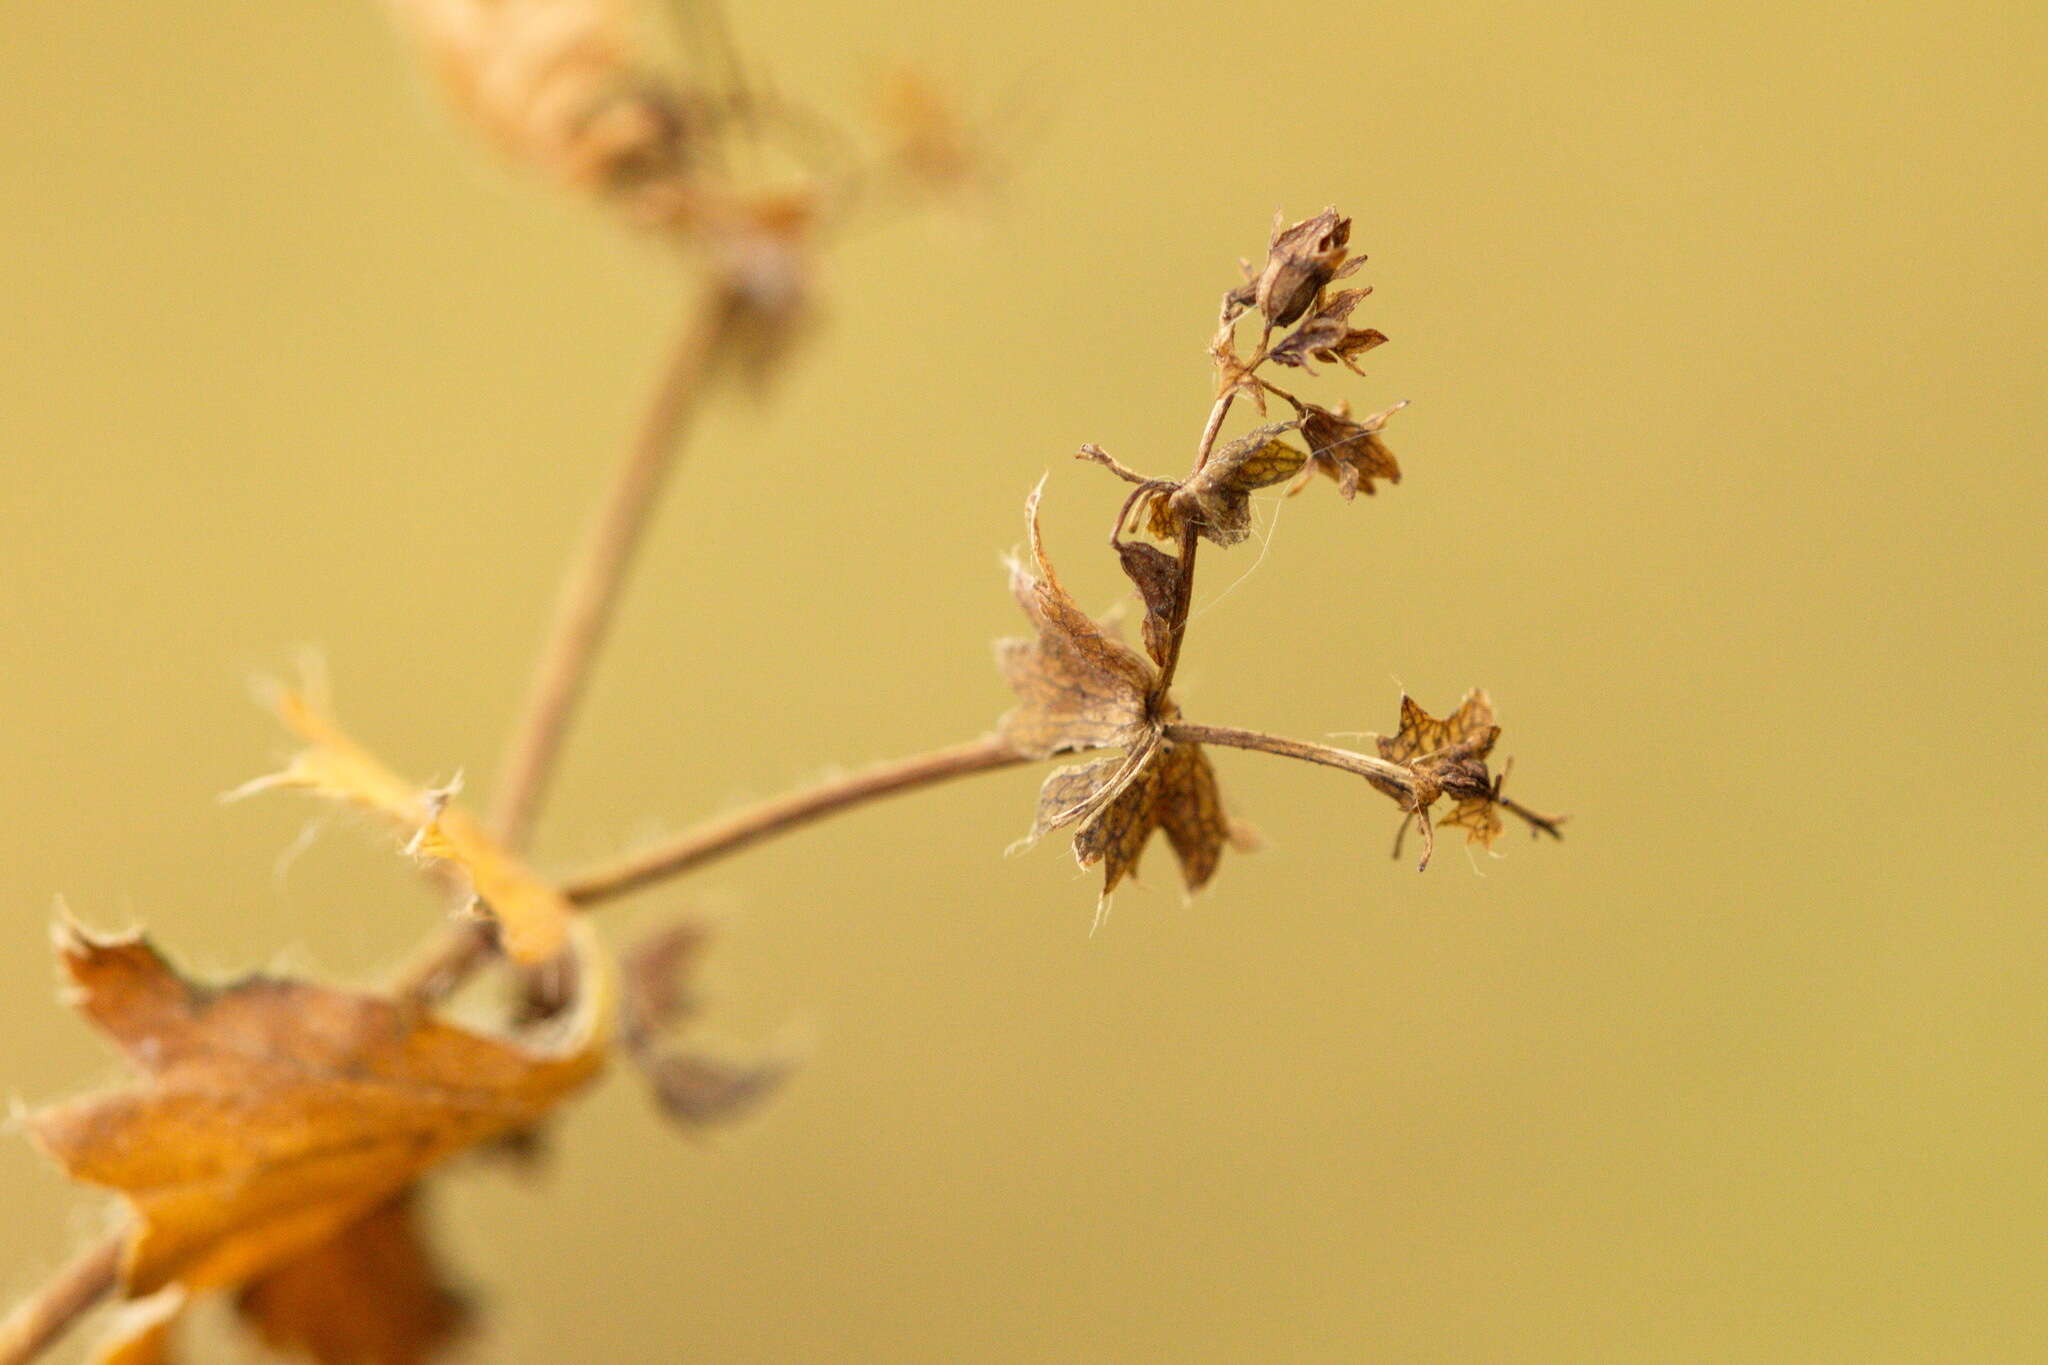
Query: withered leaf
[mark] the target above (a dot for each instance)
(1348, 451)
(274, 1113)
(1328, 335)
(692, 1088)
(1156, 574)
(370, 1295)
(1079, 687)
(1217, 498)
(531, 916)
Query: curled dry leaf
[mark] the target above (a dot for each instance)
(370, 1295)
(1081, 688)
(692, 1088)
(1350, 452)
(273, 1115)
(532, 918)
(1216, 500)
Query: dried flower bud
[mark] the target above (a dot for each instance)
(1300, 261)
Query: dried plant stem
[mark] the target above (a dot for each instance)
(449, 960)
(590, 589)
(38, 1320)
(730, 833)
(1184, 593)
(583, 611)
(1363, 764)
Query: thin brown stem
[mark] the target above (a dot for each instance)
(1363, 764)
(730, 833)
(38, 1320)
(1538, 823)
(1184, 590)
(449, 960)
(590, 589)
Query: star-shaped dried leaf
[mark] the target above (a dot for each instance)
(1444, 758)
(692, 1088)
(1217, 499)
(1079, 686)
(276, 1113)
(1351, 452)
(531, 916)
(1300, 261)
(370, 1295)
(1328, 335)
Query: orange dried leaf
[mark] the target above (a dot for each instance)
(273, 1114)
(370, 1295)
(531, 916)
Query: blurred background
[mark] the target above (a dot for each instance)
(1722, 326)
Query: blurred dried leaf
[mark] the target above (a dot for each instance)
(692, 1088)
(531, 916)
(370, 1295)
(274, 1113)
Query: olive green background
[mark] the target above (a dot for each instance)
(1722, 326)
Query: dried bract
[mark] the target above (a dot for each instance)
(1328, 335)
(1216, 499)
(1079, 687)
(1350, 452)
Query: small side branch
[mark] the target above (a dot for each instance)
(1362, 764)
(38, 1320)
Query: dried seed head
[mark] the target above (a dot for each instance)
(1300, 262)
